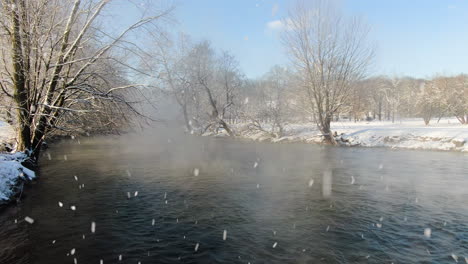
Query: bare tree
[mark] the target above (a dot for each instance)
(457, 98)
(204, 83)
(271, 102)
(231, 80)
(57, 58)
(215, 78)
(171, 56)
(392, 91)
(330, 53)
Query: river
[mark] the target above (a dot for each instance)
(216, 200)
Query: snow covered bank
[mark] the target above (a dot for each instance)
(446, 135)
(12, 173)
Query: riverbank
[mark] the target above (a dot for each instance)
(12, 172)
(447, 135)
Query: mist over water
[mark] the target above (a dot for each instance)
(217, 200)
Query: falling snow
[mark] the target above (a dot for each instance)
(427, 232)
(29, 220)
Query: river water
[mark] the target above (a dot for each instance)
(215, 200)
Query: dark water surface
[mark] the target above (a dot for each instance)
(279, 203)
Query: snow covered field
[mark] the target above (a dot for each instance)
(446, 135)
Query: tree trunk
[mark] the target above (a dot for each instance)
(325, 128)
(226, 127)
(186, 119)
(427, 120)
(20, 94)
(463, 119)
(215, 113)
(380, 110)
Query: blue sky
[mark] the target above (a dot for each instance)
(414, 37)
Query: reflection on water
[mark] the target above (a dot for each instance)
(172, 199)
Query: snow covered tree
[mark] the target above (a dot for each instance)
(61, 62)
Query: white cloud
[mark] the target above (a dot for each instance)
(279, 25)
(275, 25)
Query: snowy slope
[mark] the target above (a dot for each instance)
(11, 170)
(408, 134)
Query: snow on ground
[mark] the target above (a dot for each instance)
(11, 173)
(11, 170)
(448, 134)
